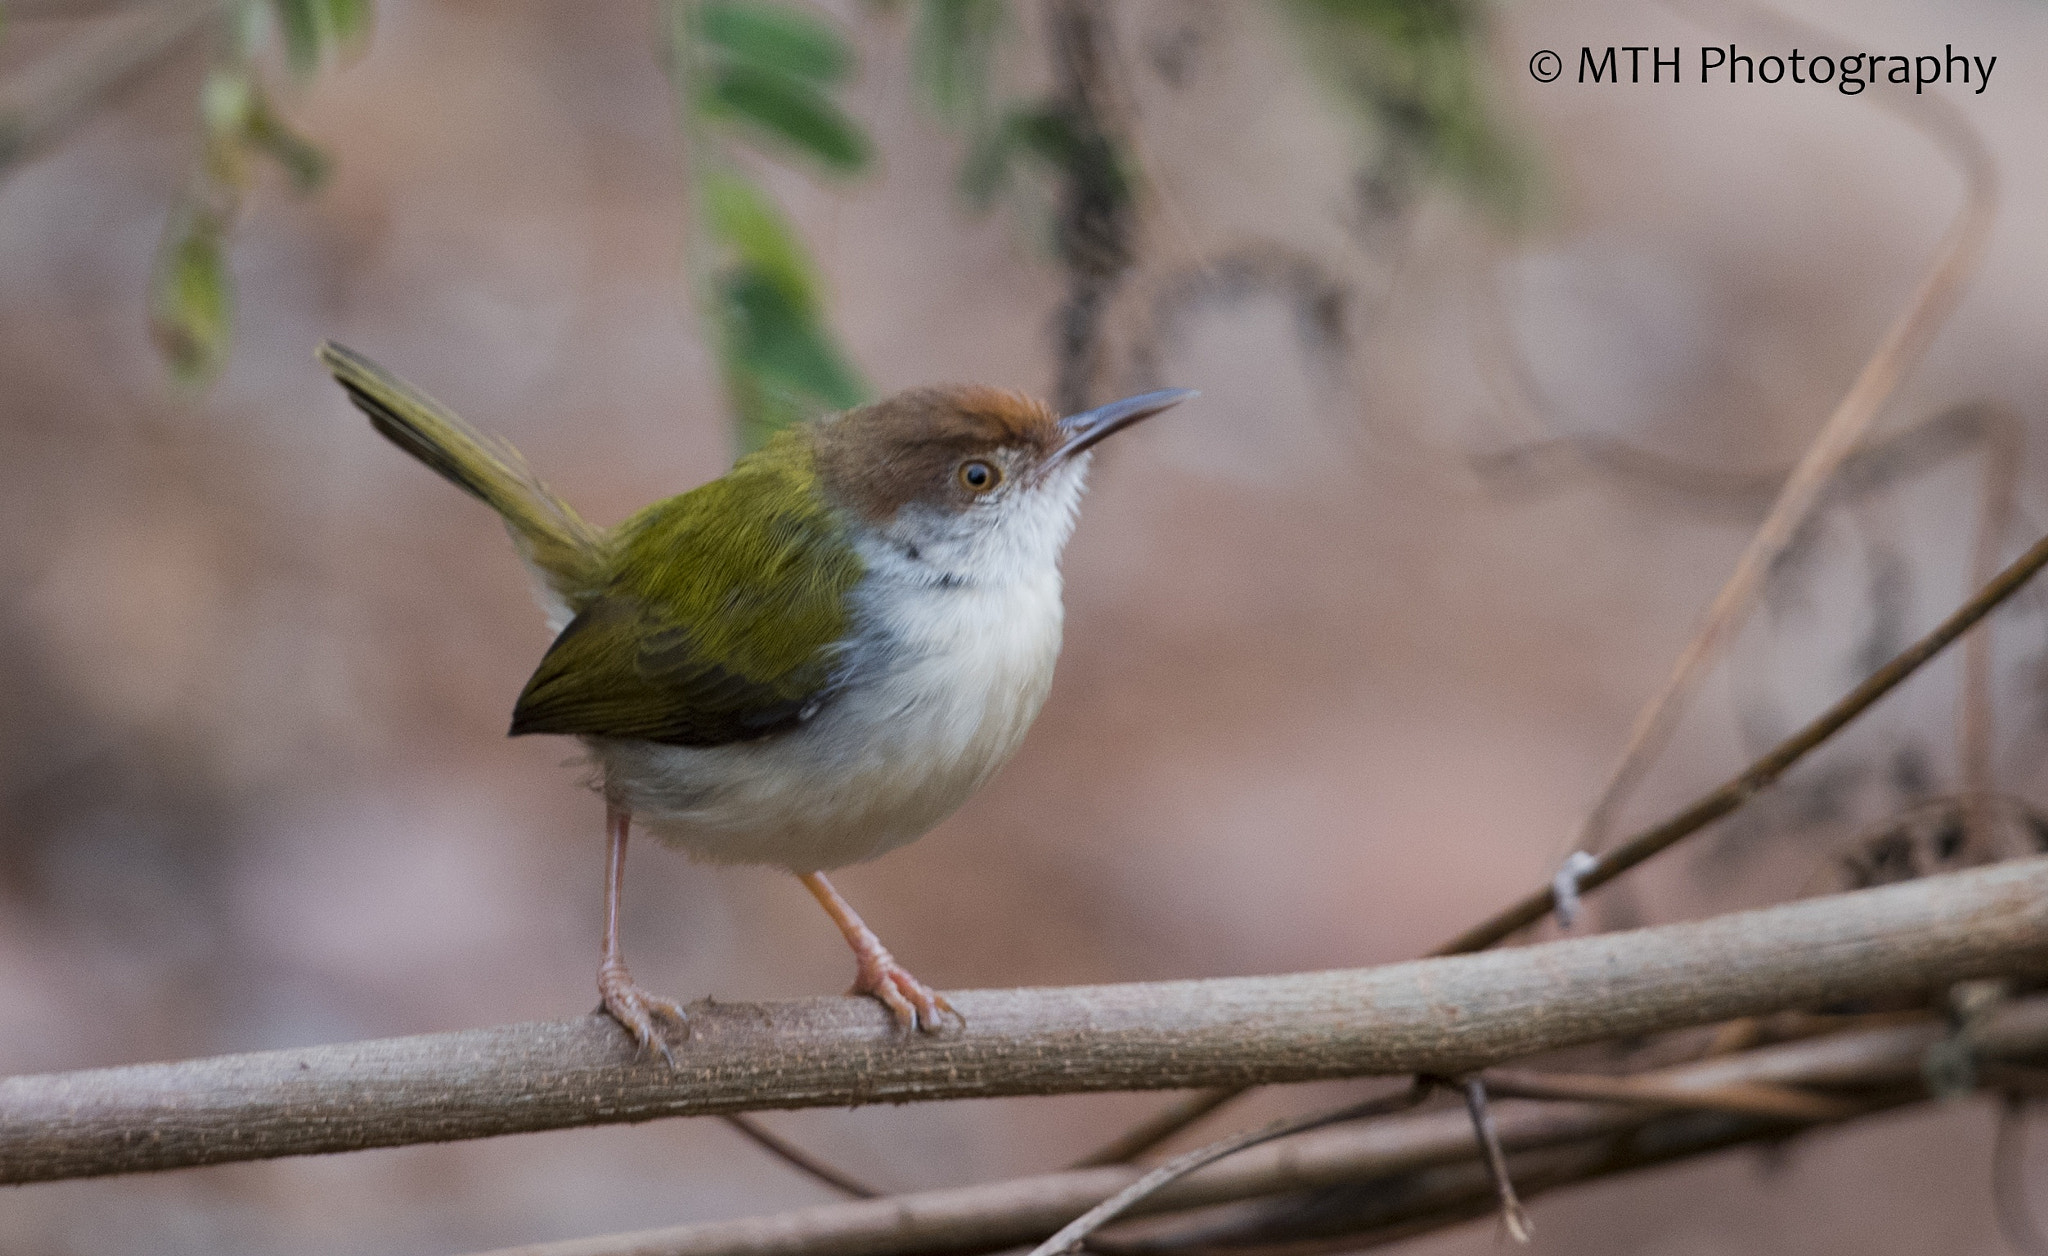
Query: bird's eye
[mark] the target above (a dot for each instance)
(978, 476)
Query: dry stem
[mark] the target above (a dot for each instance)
(1767, 769)
(1904, 343)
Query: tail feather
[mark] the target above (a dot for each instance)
(564, 550)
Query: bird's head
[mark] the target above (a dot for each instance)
(974, 482)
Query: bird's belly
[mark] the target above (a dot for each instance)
(946, 697)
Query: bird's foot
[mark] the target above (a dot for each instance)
(637, 1010)
(914, 1004)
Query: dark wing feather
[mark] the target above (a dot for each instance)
(618, 671)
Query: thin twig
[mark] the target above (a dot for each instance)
(1715, 492)
(1147, 1134)
(799, 1159)
(1512, 1215)
(2002, 450)
(1069, 1237)
(1746, 1099)
(1903, 345)
(1801, 492)
(1772, 765)
(1422, 1201)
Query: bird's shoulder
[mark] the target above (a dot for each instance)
(718, 619)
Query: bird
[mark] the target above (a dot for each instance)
(807, 662)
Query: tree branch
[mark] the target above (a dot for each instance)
(1009, 1214)
(1446, 1016)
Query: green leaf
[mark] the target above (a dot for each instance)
(789, 110)
(985, 171)
(349, 21)
(761, 66)
(298, 22)
(303, 161)
(777, 37)
(743, 219)
(1046, 133)
(1413, 71)
(192, 295)
(240, 118)
(775, 337)
(310, 27)
(953, 52)
(780, 361)
(226, 100)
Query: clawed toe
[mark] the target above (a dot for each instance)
(914, 1004)
(637, 1010)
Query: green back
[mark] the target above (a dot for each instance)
(718, 619)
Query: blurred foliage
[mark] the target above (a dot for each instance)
(1414, 72)
(1411, 71)
(953, 57)
(311, 29)
(781, 363)
(192, 293)
(1061, 159)
(192, 297)
(952, 52)
(759, 80)
(758, 74)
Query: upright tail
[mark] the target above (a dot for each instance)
(564, 550)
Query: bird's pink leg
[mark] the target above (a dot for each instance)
(631, 1006)
(914, 1004)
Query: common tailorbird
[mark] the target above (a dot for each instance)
(808, 662)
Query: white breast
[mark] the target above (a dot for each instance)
(949, 668)
(951, 697)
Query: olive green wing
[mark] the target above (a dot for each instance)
(722, 622)
(623, 669)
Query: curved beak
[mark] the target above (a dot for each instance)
(1083, 430)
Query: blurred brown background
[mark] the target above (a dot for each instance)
(1332, 689)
